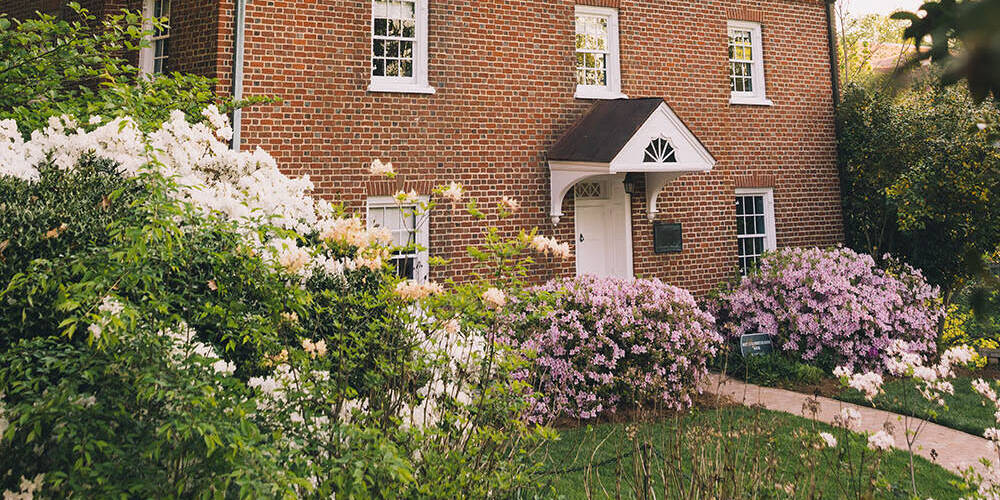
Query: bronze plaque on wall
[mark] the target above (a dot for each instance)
(667, 238)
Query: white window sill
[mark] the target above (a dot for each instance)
(403, 88)
(597, 93)
(750, 101)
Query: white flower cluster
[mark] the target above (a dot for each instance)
(246, 187)
(849, 419)
(461, 354)
(380, 169)
(902, 362)
(869, 383)
(314, 349)
(412, 290)
(288, 254)
(453, 192)
(881, 441)
(4, 423)
(110, 308)
(27, 488)
(988, 393)
(185, 344)
(509, 203)
(494, 298)
(371, 244)
(828, 439)
(547, 246)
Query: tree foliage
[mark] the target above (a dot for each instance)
(78, 66)
(919, 179)
(964, 38)
(861, 39)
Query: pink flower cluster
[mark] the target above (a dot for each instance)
(835, 305)
(604, 343)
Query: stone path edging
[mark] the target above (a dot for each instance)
(956, 450)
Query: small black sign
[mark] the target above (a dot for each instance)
(756, 344)
(667, 238)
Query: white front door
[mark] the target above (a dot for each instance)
(603, 228)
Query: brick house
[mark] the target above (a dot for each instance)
(665, 138)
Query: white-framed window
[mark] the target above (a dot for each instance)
(598, 66)
(399, 47)
(153, 59)
(755, 233)
(746, 64)
(410, 235)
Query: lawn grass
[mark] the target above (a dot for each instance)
(964, 411)
(744, 436)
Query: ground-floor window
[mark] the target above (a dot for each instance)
(409, 233)
(754, 226)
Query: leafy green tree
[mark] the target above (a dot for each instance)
(964, 38)
(74, 65)
(862, 39)
(919, 181)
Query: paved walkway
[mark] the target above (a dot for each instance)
(956, 450)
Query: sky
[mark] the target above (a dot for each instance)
(864, 7)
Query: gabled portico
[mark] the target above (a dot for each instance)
(626, 136)
(616, 138)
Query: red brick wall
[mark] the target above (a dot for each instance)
(504, 74)
(504, 77)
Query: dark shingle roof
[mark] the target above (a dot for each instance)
(602, 133)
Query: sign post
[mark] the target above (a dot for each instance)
(756, 344)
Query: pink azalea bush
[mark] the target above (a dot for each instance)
(834, 307)
(600, 344)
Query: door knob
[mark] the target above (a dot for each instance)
(581, 238)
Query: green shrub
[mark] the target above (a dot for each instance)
(181, 320)
(152, 349)
(774, 369)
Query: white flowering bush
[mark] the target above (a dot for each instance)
(180, 319)
(933, 381)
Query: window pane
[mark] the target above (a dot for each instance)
(406, 67)
(380, 27)
(592, 44)
(378, 67)
(408, 9)
(378, 48)
(409, 29)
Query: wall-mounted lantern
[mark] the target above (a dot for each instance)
(632, 182)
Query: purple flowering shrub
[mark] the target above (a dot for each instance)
(834, 307)
(600, 344)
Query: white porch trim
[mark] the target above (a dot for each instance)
(663, 123)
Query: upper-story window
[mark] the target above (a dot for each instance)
(153, 59)
(399, 46)
(746, 64)
(598, 73)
